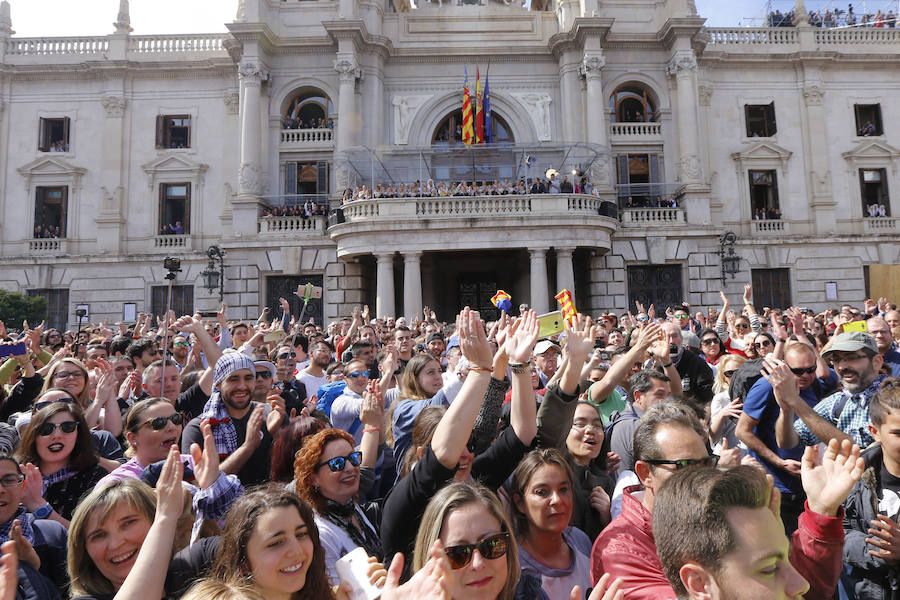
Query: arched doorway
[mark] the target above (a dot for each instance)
(308, 109)
(633, 103)
(449, 130)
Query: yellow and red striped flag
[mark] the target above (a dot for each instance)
(479, 113)
(467, 131)
(567, 306)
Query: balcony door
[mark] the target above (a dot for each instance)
(659, 285)
(637, 174)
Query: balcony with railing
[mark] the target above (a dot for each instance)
(756, 40)
(307, 139)
(472, 222)
(172, 242)
(635, 133)
(881, 225)
(197, 45)
(293, 226)
(46, 247)
(769, 227)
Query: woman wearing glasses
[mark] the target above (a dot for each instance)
(593, 487)
(737, 336)
(711, 346)
(103, 412)
(46, 538)
(723, 411)
(764, 344)
(60, 463)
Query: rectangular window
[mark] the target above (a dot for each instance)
(764, 195)
(771, 287)
(874, 192)
(173, 131)
(50, 206)
(760, 120)
(57, 306)
(53, 134)
(868, 119)
(182, 299)
(174, 208)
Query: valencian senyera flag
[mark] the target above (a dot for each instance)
(564, 297)
(468, 133)
(502, 301)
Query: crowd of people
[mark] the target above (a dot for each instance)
(835, 18)
(293, 122)
(876, 210)
(627, 457)
(307, 209)
(47, 231)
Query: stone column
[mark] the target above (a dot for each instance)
(252, 75)
(823, 206)
(565, 274)
(597, 125)
(349, 120)
(539, 291)
(412, 284)
(110, 218)
(384, 285)
(683, 66)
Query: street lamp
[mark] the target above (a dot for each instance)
(731, 262)
(215, 277)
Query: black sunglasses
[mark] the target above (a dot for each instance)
(491, 547)
(680, 463)
(287, 355)
(802, 371)
(741, 326)
(338, 463)
(267, 374)
(729, 374)
(762, 344)
(160, 422)
(709, 341)
(48, 428)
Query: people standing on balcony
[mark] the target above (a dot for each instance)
(554, 186)
(565, 187)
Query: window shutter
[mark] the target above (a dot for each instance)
(771, 125)
(66, 140)
(654, 168)
(322, 176)
(190, 125)
(43, 141)
(290, 178)
(160, 131)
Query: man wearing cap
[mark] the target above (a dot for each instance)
(881, 331)
(546, 354)
(435, 345)
(842, 415)
(265, 379)
(239, 425)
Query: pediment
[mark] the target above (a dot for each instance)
(174, 164)
(872, 149)
(50, 165)
(763, 151)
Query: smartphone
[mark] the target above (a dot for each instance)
(353, 568)
(551, 324)
(17, 349)
(273, 336)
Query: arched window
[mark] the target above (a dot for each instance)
(449, 131)
(633, 103)
(309, 109)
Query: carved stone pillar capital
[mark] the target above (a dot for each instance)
(347, 68)
(592, 66)
(682, 62)
(252, 73)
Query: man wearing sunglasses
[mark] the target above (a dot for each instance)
(345, 409)
(756, 425)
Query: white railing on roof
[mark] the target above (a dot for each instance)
(198, 42)
(752, 35)
(858, 35)
(635, 129)
(476, 205)
(57, 45)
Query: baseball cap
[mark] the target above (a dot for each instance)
(267, 364)
(544, 345)
(229, 363)
(852, 341)
(434, 335)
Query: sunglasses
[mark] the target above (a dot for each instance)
(48, 428)
(12, 480)
(762, 344)
(338, 463)
(491, 547)
(267, 374)
(287, 355)
(44, 404)
(182, 344)
(742, 326)
(802, 371)
(729, 374)
(160, 422)
(709, 341)
(680, 463)
(355, 374)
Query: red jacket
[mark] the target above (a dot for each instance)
(626, 549)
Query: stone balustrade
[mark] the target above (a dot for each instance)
(649, 217)
(293, 226)
(857, 35)
(732, 38)
(45, 247)
(768, 36)
(768, 226)
(47, 46)
(300, 139)
(172, 242)
(880, 224)
(200, 42)
(635, 130)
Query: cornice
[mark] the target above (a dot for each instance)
(727, 59)
(254, 32)
(574, 38)
(363, 41)
(674, 28)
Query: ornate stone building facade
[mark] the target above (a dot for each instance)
(119, 150)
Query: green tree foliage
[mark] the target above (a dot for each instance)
(15, 308)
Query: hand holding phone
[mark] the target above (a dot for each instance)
(353, 568)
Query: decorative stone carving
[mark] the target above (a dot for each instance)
(241, 15)
(814, 95)
(111, 202)
(538, 108)
(347, 67)
(250, 178)
(683, 61)
(233, 47)
(252, 73)
(113, 106)
(5, 20)
(689, 168)
(232, 103)
(704, 94)
(405, 109)
(592, 66)
(123, 19)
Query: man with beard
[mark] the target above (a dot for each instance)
(881, 331)
(313, 376)
(180, 349)
(404, 342)
(843, 415)
(241, 428)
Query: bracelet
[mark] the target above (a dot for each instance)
(520, 368)
(781, 340)
(371, 428)
(666, 366)
(481, 369)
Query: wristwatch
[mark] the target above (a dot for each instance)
(42, 512)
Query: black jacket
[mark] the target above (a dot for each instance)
(696, 376)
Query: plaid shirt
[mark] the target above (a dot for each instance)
(214, 502)
(853, 419)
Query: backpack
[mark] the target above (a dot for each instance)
(626, 414)
(327, 394)
(744, 378)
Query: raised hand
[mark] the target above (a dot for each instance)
(131, 385)
(24, 549)
(431, 582)
(885, 536)
(748, 293)
(725, 303)
(580, 339)
(9, 571)
(472, 339)
(254, 428)
(784, 383)
(206, 461)
(169, 494)
(648, 335)
(604, 590)
(828, 484)
(520, 345)
(371, 410)
(34, 487)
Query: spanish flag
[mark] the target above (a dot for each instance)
(479, 113)
(467, 130)
(567, 306)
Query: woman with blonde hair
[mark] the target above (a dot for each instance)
(723, 411)
(103, 410)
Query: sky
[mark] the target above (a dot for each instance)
(35, 18)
